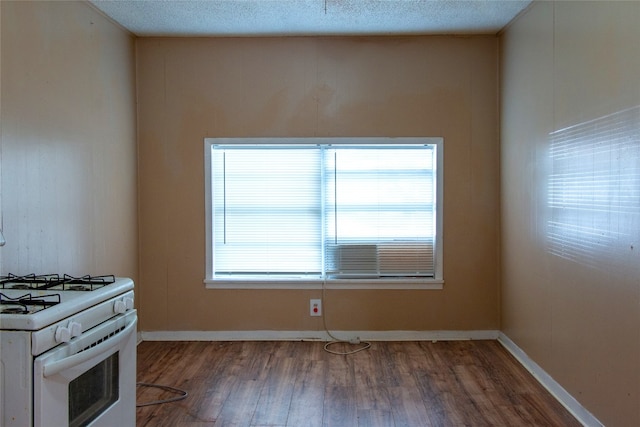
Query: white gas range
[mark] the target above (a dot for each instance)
(67, 351)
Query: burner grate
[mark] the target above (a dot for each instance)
(85, 283)
(27, 303)
(49, 281)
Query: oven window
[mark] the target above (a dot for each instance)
(93, 392)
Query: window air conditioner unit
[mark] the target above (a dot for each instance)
(383, 260)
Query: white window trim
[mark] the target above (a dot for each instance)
(437, 282)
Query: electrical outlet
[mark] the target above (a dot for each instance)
(315, 307)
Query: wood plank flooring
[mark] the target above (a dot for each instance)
(298, 384)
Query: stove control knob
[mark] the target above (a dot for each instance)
(128, 302)
(75, 328)
(63, 334)
(119, 307)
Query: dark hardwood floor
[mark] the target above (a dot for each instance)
(445, 383)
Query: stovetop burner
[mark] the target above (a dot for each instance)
(78, 288)
(21, 286)
(16, 309)
(55, 282)
(27, 303)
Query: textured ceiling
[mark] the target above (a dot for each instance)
(310, 17)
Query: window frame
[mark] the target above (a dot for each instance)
(435, 282)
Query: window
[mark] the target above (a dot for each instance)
(305, 210)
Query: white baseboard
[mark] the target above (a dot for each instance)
(568, 401)
(317, 335)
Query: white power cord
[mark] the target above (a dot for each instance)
(354, 341)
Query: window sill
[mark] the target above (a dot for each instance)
(387, 284)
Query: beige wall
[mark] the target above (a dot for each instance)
(571, 265)
(68, 141)
(68, 171)
(189, 89)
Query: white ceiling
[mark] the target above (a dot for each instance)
(310, 17)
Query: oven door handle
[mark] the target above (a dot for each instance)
(53, 368)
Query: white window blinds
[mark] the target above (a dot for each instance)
(266, 216)
(380, 211)
(323, 210)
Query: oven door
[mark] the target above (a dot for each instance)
(90, 381)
